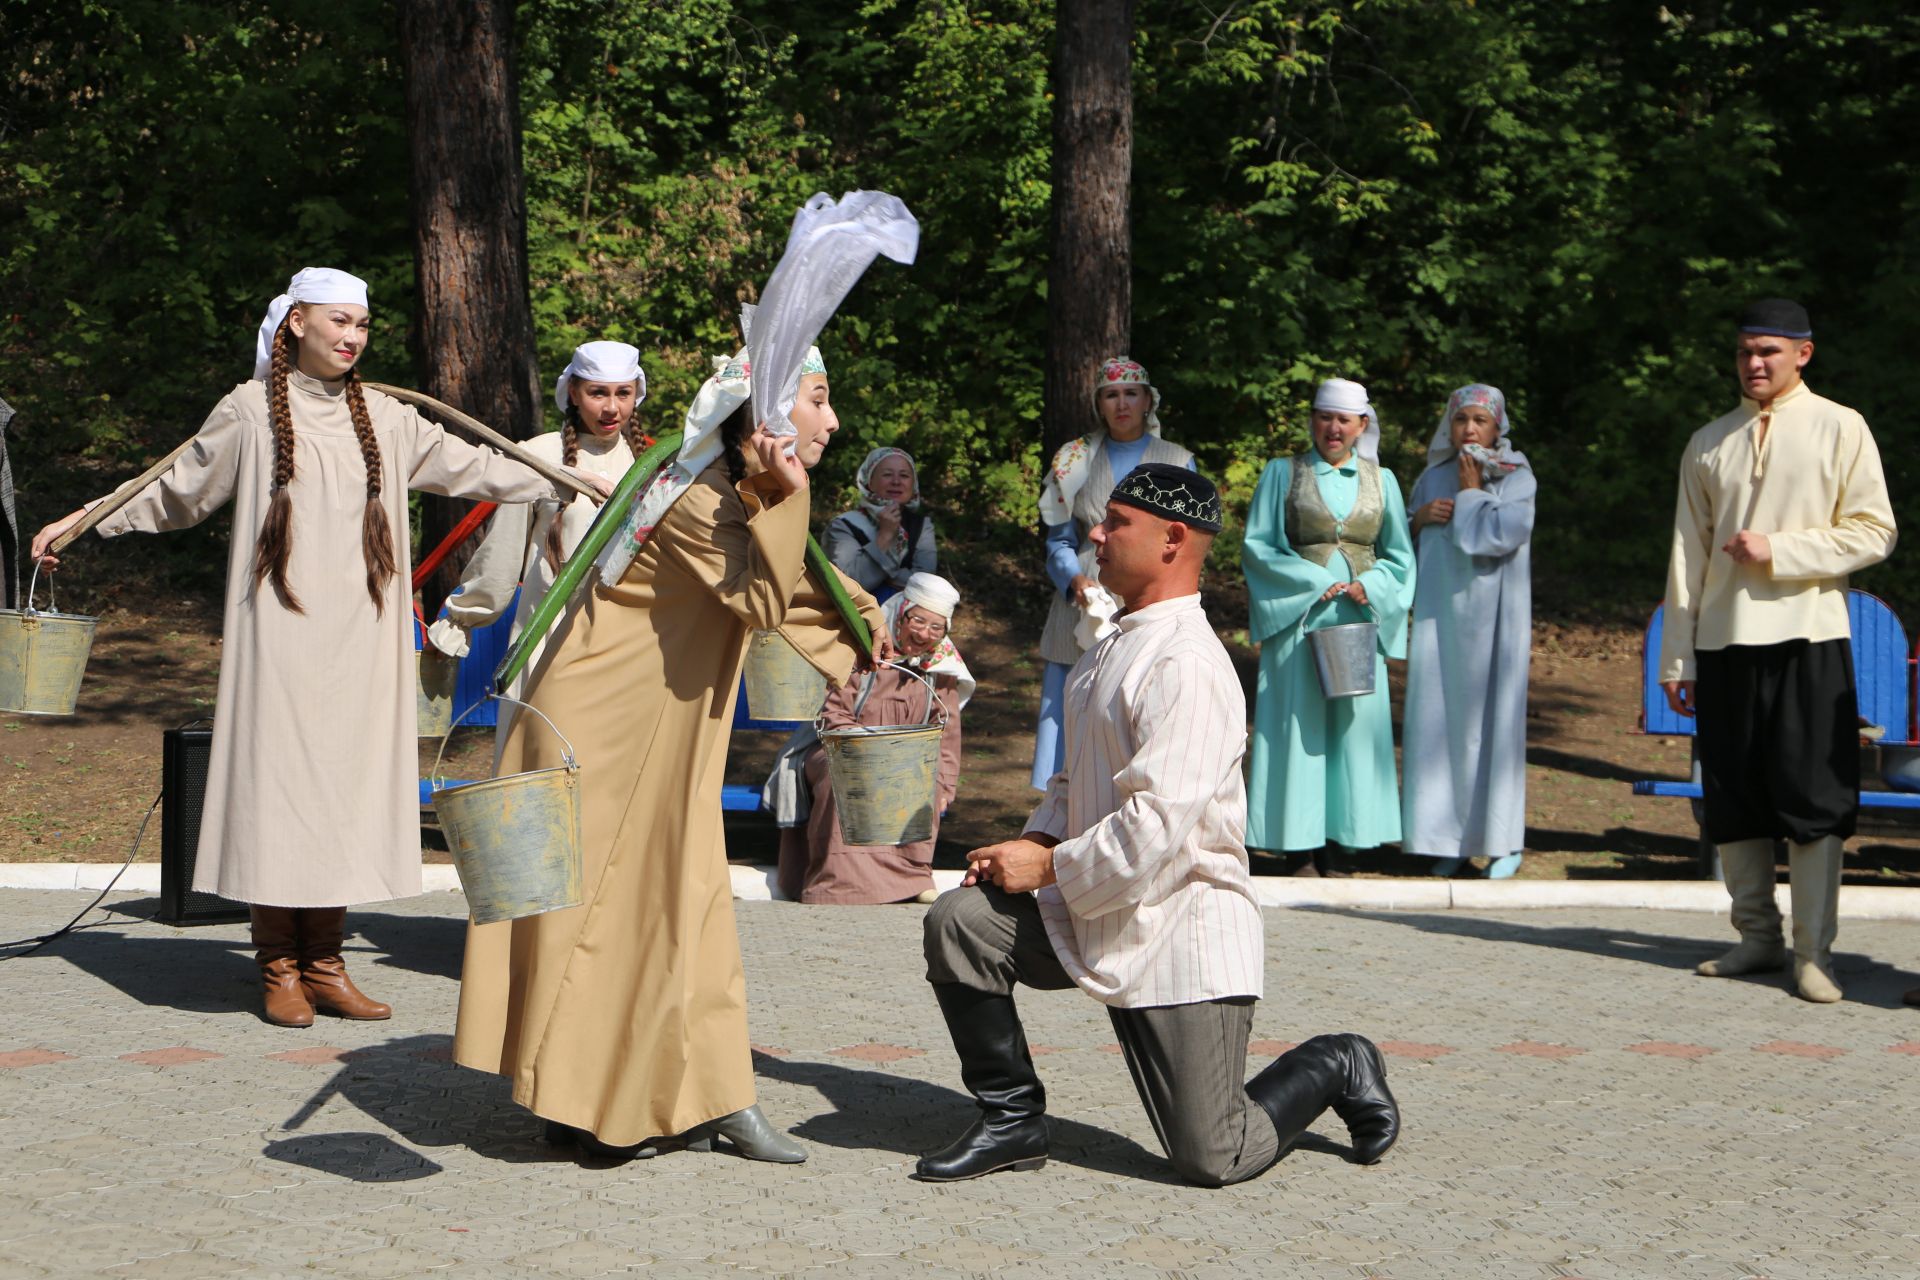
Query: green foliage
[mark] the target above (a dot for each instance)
(1567, 199)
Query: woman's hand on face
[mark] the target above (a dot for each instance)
(887, 523)
(786, 469)
(1079, 587)
(1439, 511)
(45, 538)
(1469, 475)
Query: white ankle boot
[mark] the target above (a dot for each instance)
(1814, 869)
(1748, 868)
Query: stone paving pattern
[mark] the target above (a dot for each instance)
(1578, 1105)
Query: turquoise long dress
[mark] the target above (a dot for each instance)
(1322, 770)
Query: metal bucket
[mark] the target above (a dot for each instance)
(781, 685)
(434, 676)
(1343, 655)
(515, 840)
(42, 656)
(885, 777)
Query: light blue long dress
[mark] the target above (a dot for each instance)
(1321, 769)
(1465, 726)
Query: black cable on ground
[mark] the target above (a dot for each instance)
(34, 944)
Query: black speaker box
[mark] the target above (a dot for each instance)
(184, 755)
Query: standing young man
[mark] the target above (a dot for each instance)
(1779, 501)
(1130, 881)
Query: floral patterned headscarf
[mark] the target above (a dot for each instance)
(1474, 395)
(1068, 474)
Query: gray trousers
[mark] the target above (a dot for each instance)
(1188, 1061)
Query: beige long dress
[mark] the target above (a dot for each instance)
(313, 787)
(627, 1016)
(817, 863)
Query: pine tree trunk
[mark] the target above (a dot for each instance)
(1090, 272)
(473, 325)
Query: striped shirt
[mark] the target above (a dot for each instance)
(1152, 904)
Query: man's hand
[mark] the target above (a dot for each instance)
(1680, 696)
(1016, 866)
(1748, 547)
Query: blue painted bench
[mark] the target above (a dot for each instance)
(1882, 664)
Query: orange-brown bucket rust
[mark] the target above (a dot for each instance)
(515, 840)
(781, 685)
(43, 656)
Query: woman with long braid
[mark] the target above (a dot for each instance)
(598, 394)
(312, 791)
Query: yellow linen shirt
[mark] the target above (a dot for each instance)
(1813, 484)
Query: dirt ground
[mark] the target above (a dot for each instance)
(75, 788)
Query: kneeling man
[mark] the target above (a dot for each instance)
(1131, 883)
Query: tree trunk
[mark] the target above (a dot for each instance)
(473, 325)
(1090, 271)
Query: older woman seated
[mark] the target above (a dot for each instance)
(817, 864)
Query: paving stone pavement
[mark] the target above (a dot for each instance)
(1578, 1105)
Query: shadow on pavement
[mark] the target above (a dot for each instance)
(409, 1086)
(1867, 981)
(183, 968)
(873, 1110)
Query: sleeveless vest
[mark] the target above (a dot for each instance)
(1312, 529)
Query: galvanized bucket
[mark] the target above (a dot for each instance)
(781, 685)
(885, 776)
(515, 840)
(434, 676)
(42, 656)
(1343, 656)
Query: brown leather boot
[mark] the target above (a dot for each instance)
(276, 940)
(324, 974)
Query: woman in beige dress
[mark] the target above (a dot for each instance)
(623, 1021)
(312, 801)
(817, 863)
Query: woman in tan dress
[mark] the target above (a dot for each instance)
(623, 1021)
(312, 801)
(817, 863)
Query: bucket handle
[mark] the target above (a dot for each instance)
(1300, 627)
(933, 699)
(566, 748)
(33, 582)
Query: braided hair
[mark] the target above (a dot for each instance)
(276, 533)
(638, 442)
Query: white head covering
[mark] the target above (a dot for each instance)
(601, 362)
(1342, 396)
(309, 284)
(831, 244)
(934, 593)
(872, 505)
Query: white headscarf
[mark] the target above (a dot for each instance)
(601, 362)
(1342, 396)
(872, 505)
(830, 245)
(935, 594)
(719, 398)
(309, 284)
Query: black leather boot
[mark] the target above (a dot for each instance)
(1343, 1072)
(1011, 1132)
